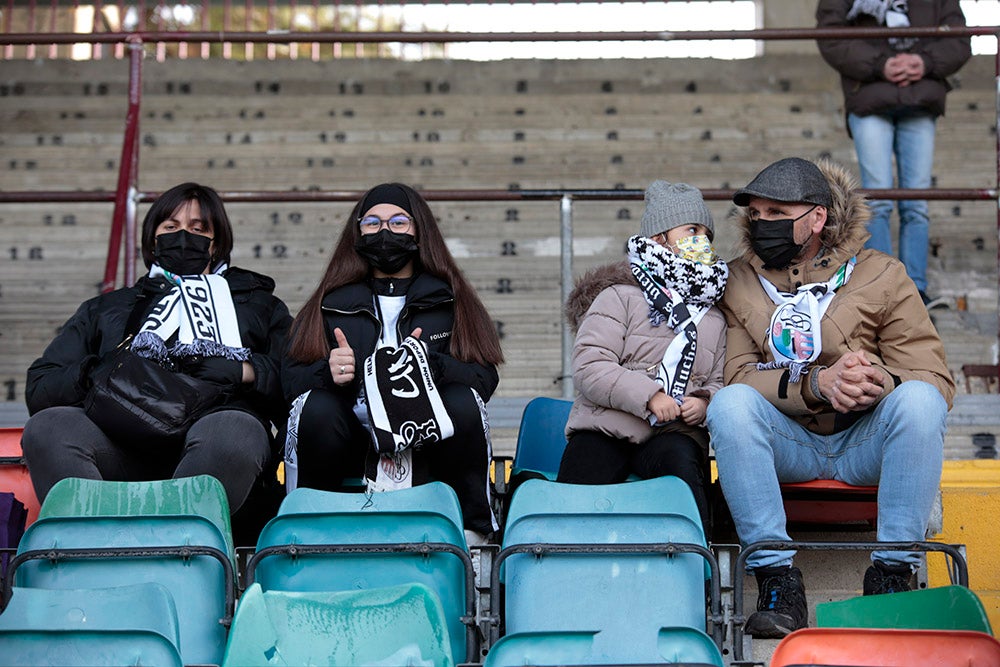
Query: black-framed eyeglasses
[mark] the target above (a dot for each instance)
(398, 223)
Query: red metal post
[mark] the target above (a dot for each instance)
(127, 170)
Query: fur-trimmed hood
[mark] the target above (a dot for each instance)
(592, 283)
(846, 224)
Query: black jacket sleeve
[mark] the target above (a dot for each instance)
(484, 379)
(62, 375)
(266, 361)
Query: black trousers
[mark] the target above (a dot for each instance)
(592, 457)
(333, 445)
(230, 445)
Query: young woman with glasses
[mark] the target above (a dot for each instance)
(391, 279)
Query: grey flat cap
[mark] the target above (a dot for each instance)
(789, 180)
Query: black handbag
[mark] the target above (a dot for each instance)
(136, 401)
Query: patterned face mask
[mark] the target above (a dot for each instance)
(696, 249)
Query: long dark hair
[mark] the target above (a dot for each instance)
(212, 211)
(474, 337)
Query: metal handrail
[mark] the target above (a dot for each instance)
(961, 568)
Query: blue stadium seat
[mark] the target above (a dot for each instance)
(541, 438)
(397, 625)
(181, 525)
(126, 625)
(429, 513)
(686, 646)
(628, 597)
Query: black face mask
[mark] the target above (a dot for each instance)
(387, 251)
(774, 241)
(182, 252)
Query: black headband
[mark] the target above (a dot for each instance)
(386, 193)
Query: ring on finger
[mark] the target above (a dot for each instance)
(343, 369)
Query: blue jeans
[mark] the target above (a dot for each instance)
(910, 138)
(899, 447)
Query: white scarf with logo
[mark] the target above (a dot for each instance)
(794, 335)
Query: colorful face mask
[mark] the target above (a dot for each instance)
(696, 249)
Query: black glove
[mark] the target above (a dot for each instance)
(219, 370)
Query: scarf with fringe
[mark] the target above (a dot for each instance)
(199, 309)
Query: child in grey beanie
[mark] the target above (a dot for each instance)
(670, 205)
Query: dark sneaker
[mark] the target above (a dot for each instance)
(884, 578)
(781, 603)
(933, 303)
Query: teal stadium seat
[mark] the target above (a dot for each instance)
(429, 513)
(676, 645)
(397, 625)
(187, 517)
(126, 625)
(628, 598)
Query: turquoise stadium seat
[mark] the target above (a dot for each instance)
(126, 625)
(686, 646)
(429, 513)
(186, 516)
(561, 592)
(398, 625)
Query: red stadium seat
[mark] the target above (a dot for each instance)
(827, 501)
(14, 471)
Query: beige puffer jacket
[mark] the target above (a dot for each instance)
(617, 351)
(878, 311)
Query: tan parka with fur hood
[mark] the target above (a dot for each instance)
(878, 311)
(617, 351)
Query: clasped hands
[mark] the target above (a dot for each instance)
(342, 362)
(904, 69)
(852, 384)
(691, 410)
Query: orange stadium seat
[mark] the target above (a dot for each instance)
(14, 472)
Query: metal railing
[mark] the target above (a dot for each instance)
(128, 194)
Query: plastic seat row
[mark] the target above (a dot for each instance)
(350, 565)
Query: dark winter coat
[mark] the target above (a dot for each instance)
(429, 305)
(64, 373)
(861, 61)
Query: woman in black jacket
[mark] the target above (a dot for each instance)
(186, 235)
(391, 279)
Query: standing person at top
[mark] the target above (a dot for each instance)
(393, 307)
(833, 371)
(649, 351)
(186, 244)
(894, 90)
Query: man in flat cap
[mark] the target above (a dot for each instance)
(833, 371)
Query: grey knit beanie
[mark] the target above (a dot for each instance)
(670, 205)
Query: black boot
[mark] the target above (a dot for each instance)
(884, 578)
(781, 603)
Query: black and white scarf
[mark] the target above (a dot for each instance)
(890, 13)
(404, 410)
(679, 292)
(199, 309)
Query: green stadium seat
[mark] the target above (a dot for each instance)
(396, 625)
(941, 608)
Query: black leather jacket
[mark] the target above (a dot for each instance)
(62, 376)
(429, 305)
